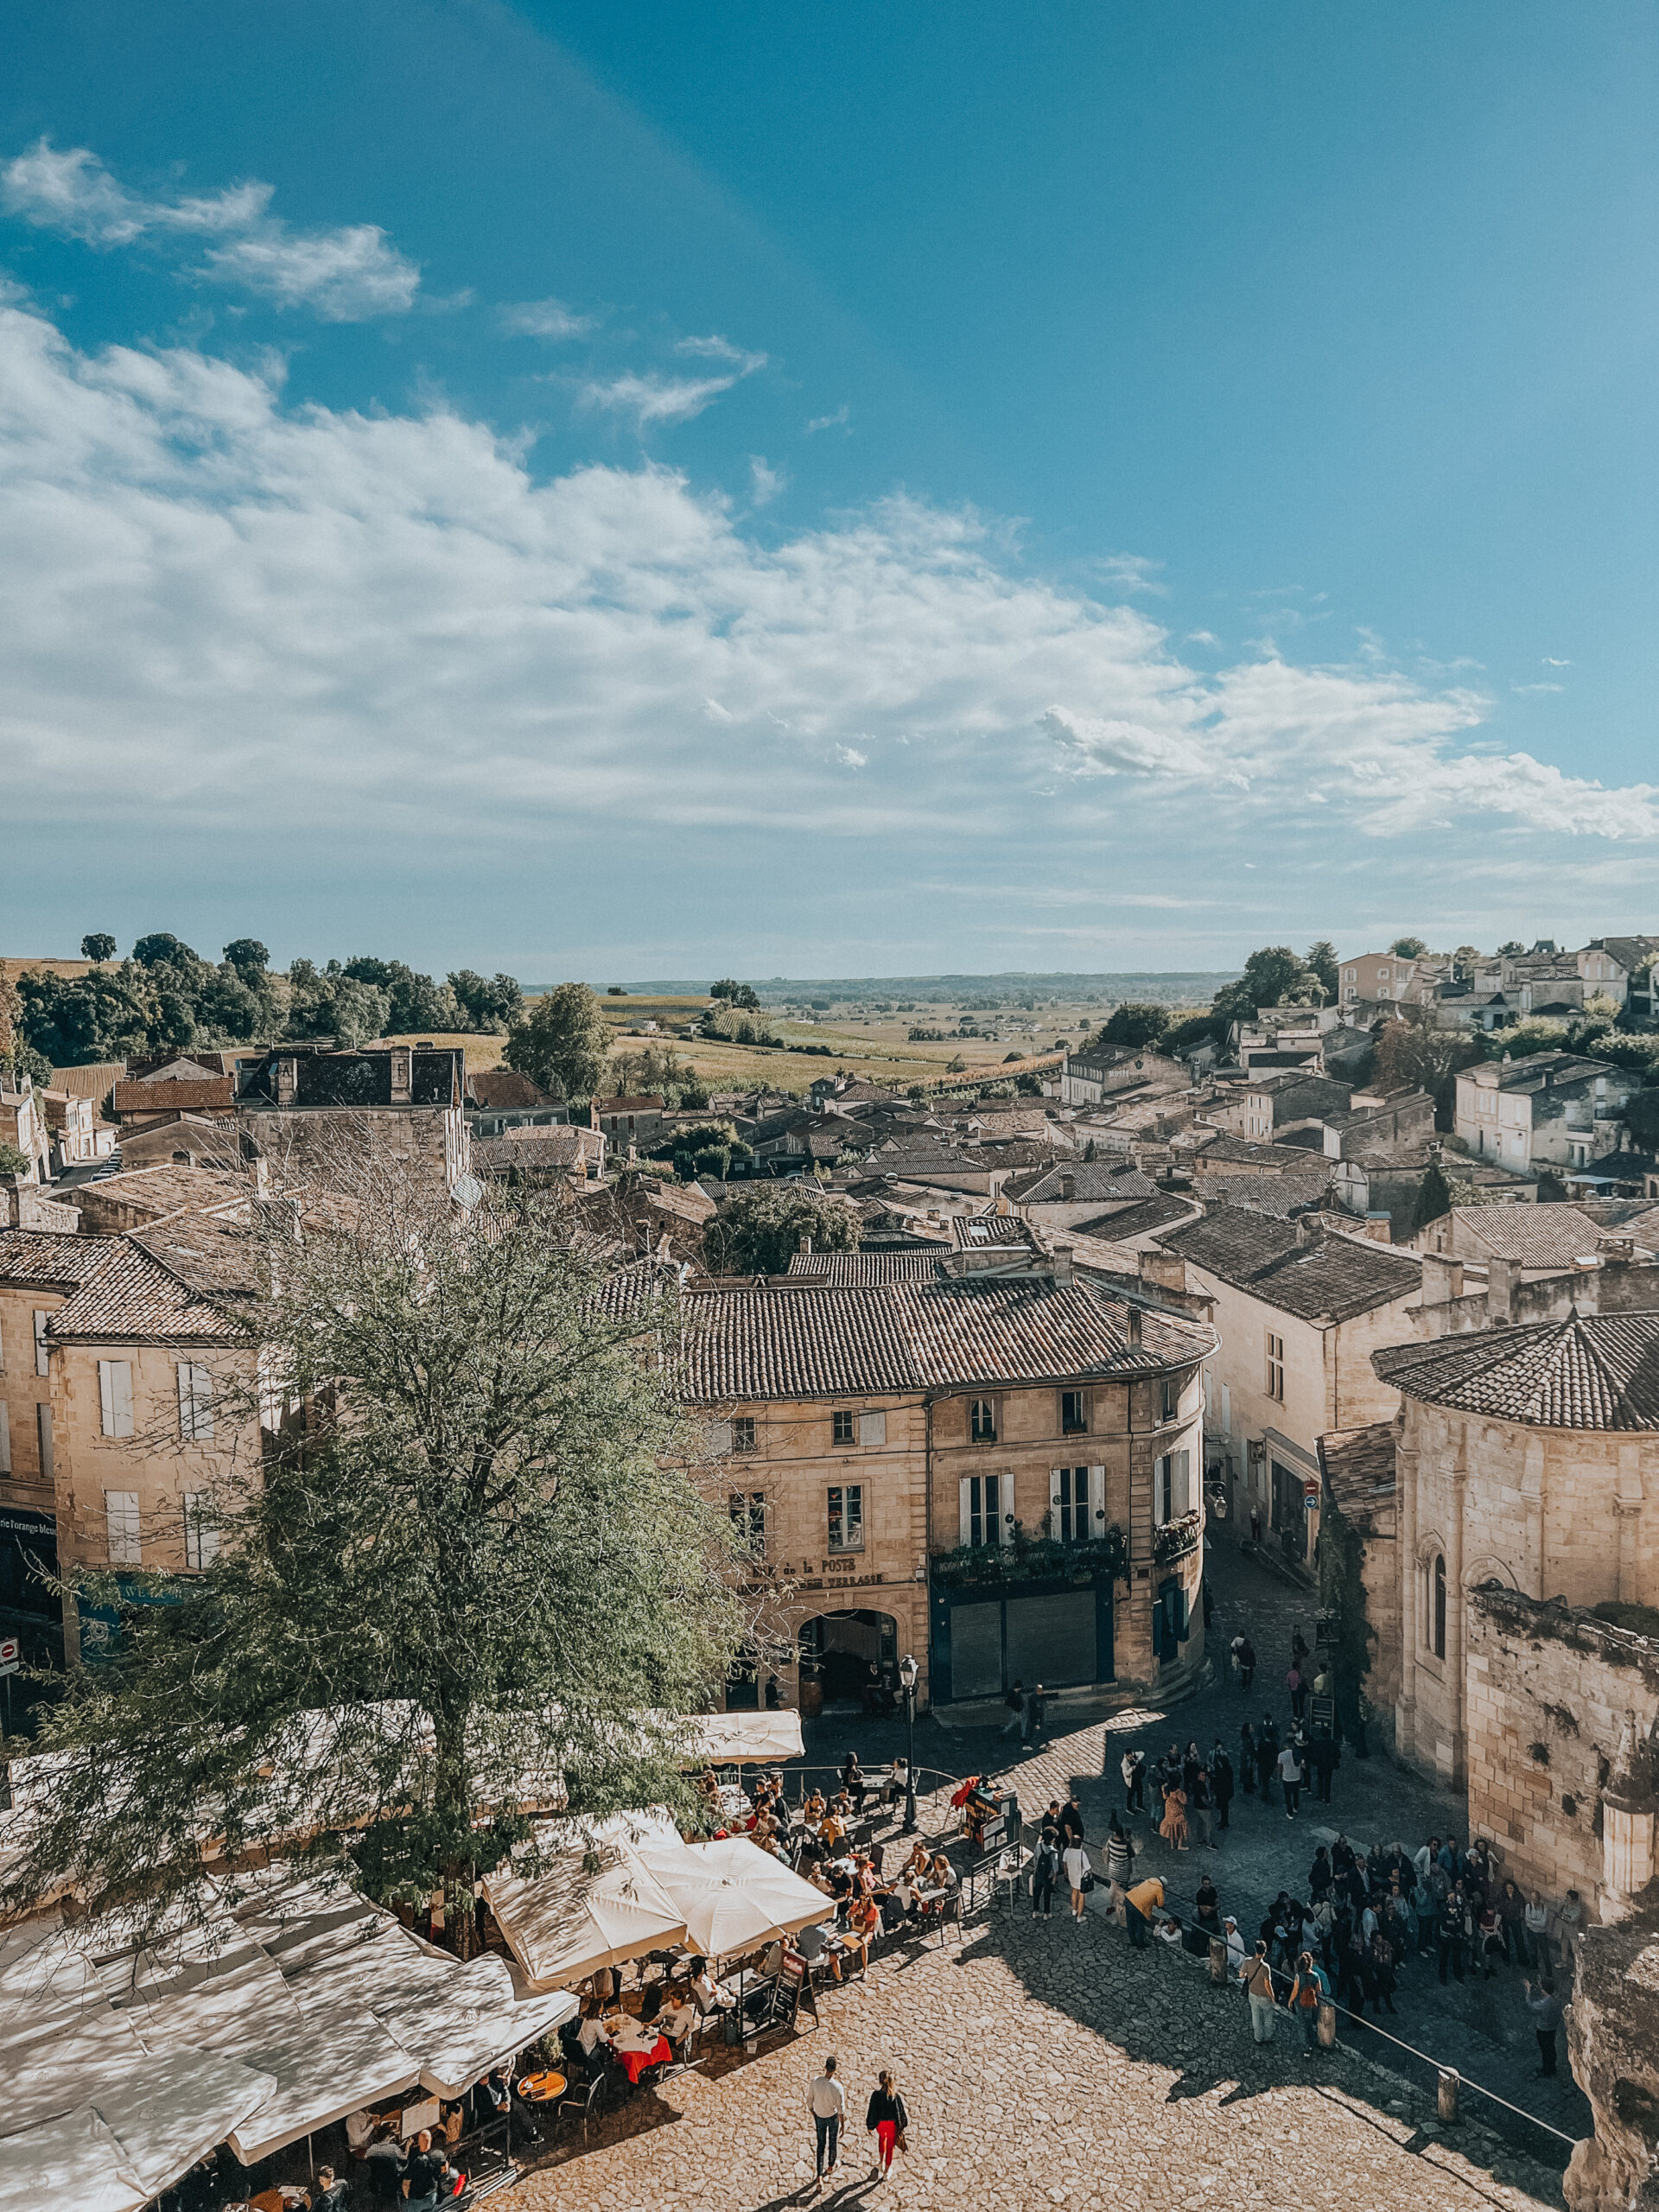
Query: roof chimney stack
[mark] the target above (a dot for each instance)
(1134, 1328)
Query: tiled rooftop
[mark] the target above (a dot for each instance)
(1359, 1465)
(1590, 1371)
(1338, 1277)
(1541, 1236)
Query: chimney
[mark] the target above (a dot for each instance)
(403, 1062)
(288, 1080)
(1162, 1270)
(1068, 1186)
(1134, 1327)
(1309, 1229)
(1500, 1291)
(1442, 1279)
(1615, 1250)
(1061, 1256)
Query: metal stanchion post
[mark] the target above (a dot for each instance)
(908, 1674)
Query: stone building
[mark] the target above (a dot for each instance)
(1529, 1457)
(890, 1431)
(113, 1363)
(301, 1108)
(1359, 1564)
(1299, 1310)
(1548, 1109)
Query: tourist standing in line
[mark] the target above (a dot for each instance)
(1307, 1993)
(1221, 1781)
(1071, 1820)
(1246, 1663)
(1120, 1862)
(1203, 1806)
(1045, 1871)
(886, 2119)
(1075, 1860)
(1133, 1766)
(827, 2103)
(1545, 2007)
(1257, 1977)
(1290, 1776)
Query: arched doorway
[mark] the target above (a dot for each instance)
(837, 1651)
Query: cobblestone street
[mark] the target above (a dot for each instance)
(1043, 2063)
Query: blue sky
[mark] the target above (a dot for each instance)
(633, 490)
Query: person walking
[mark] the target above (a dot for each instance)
(827, 2102)
(1015, 1701)
(1221, 1782)
(1070, 1821)
(1246, 1664)
(1120, 1862)
(1290, 1777)
(1075, 1860)
(1307, 1993)
(1257, 1977)
(1133, 1767)
(1139, 1906)
(1297, 1689)
(1545, 2007)
(1267, 1753)
(886, 2119)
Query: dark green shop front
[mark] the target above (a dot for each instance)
(985, 1638)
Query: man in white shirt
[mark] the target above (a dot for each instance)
(1290, 1775)
(1237, 1953)
(826, 2102)
(676, 2019)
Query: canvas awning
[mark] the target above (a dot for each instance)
(570, 1919)
(734, 1896)
(731, 1738)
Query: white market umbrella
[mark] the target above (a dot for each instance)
(567, 1921)
(733, 1738)
(734, 1896)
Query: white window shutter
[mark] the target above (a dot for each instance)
(720, 1437)
(42, 1365)
(1097, 1500)
(873, 1429)
(5, 1437)
(115, 1396)
(200, 1537)
(965, 1509)
(106, 1396)
(1054, 1502)
(195, 1403)
(1160, 1486)
(999, 1506)
(1181, 1488)
(121, 1516)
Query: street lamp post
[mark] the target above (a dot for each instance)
(907, 1673)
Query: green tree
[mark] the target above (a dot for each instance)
(1511, 947)
(109, 1014)
(1273, 976)
(98, 945)
(490, 1003)
(562, 1042)
(475, 1572)
(760, 1231)
(1136, 1025)
(1642, 1119)
(1321, 962)
(249, 959)
(1433, 1197)
(1411, 1055)
(161, 944)
(13, 1160)
(1192, 1031)
(1408, 948)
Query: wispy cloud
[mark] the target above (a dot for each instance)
(653, 398)
(1523, 689)
(722, 349)
(547, 318)
(838, 421)
(1550, 663)
(765, 482)
(1128, 572)
(343, 275)
(850, 757)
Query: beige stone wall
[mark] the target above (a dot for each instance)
(24, 1390)
(434, 1139)
(1548, 1693)
(1548, 1512)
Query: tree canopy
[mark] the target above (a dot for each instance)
(562, 1042)
(1433, 1197)
(98, 944)
(760, 1231)
(1133, 1024)
(1409, 948)
(471, 1572)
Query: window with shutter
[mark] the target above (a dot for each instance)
(720, 1437)
(1068, 1505)
(873, 1429)
(121, 1519)
(195, 1403)
(201, 1536)
(42, 1365)
(115, 1396)
(980, 1502)
(1097, 1500)
(1162, 1485)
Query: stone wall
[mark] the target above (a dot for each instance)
(1548, 1688)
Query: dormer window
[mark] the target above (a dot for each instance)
(982, 1420)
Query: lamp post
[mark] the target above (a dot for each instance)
(907, 1673)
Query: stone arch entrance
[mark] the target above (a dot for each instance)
(837, 1651)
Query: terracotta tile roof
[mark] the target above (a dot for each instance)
(185, 1095)
(161, 1190)
(1590, 1371)
(133, 1299)
(1334, 1276)
(1223, 1149)
(1535, 1235)
(1279, 1195)
(804, 1342)
(544, 1147)
(94, 1081)
(1155, 1213)
(1358, 1465)
(844, 1271)
(1091, 1182)
(34, 1255)
(504, 1088)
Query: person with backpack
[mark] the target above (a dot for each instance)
(886, 2119)
(1045, 1870)
(1307, 1993)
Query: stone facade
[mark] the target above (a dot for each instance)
(1549, 1692)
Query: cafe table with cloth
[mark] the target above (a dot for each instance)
(637, 2047)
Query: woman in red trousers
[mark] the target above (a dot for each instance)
(886, 2119)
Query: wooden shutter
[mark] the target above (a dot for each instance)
(1182, 1487)
(965, 1509)
(115, 1396)
(41, 1363)
(998, 1507)
(200, 1537)
(1097, 1500)
(195, 1403)
(105, 1397)
(1054, 1524)
(720, 1437)
(121, 1517)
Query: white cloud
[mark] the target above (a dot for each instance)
(343, 275)
(1201, 637)
(1549, 662)
(218, 614)
(765, 482)
(838, 421)
(545, 319)
(653, 398)
(1525, 689)
(722, 349)
(1128, 572)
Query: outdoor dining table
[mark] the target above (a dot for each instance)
(542, 2088)
(636, 2048)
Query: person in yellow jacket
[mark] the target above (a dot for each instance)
(1139, 1906)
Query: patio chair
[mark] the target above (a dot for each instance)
(588, 2101)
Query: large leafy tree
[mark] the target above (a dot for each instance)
(1411, 1054)
(491, 1003)
(105, 1015)
(98, 944)
(563, 1041)
(470, 1578)
(1320, 960)
(1132, 1024)
(760, 1231)
(1434, 1196)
